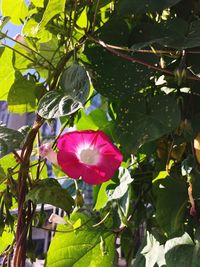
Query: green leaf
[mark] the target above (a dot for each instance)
(97, 119)
(181, 35)
(7, 73)
(128, 7)
(6, 239)
(106, 68)
(49, 191)
(21, 97)
(181, 251)
(101, 196)
(171, 201)
(141, 120)
(75, 82)
(2, 175)
(75, 90)
(17, 10)
(118, 190)
(86, 246)
(175, 33)
(9, 140)
(55, 104)
(53, 8)
(38, 3)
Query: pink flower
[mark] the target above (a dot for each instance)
(89, 155)
(20, 38)
(46, 151)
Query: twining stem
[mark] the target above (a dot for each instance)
(23, 208)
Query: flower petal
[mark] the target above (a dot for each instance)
(70, 146)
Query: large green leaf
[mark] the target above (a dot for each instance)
(21, 97)
(128, 7)
(7, 73)
(171, 201)
(9, 140)
(49, 191)
(141, 120)
(86, 246)
(17, 10)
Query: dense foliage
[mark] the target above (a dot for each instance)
(141, 60)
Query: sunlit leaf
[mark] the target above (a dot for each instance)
(86, 247)
(17, 10)
(7, 73)
(6, 239)
(55, 104)
(21, 97)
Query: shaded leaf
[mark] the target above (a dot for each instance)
(128, 7)
(175, 33)
(9, 140)
(75, 83)
(141, 120)
(49, 191)
(171, 201)
(181, 251)
(107, 71)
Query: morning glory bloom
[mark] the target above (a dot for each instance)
(89, 155)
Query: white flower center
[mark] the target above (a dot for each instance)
(89, 156)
